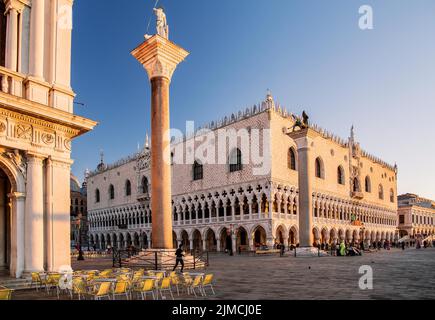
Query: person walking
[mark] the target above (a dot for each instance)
(179, 258)
(342, 249)
(403, 245)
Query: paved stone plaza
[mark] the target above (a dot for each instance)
(397, 275)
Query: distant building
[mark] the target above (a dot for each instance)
(79, 213)
(416, 216)
(354, 193)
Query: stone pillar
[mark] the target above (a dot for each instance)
(304, 139)
(160, 57)
(191, 245)
(13, 8)
(218, 244)
(34, 217)
(58, 185)
(234, 243)
(37, 33)
(17, 234)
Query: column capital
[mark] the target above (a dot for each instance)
(304, 137)
(159, 56)
(15, 5)
(17, 196)
(35, 157)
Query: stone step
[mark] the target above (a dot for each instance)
(15, 284)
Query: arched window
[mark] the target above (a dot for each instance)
(198, 171)
(128, 188)
(356, 186)
(319, 169)
(236, 160)
(292, 158)
(77, 202)
(97, 196)
(144, 185)
(340, 175)
(392, 196)
(381, 192)
(368, 185)
(111, 192)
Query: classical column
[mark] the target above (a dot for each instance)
(34, 217)
(304, 139)
(13, 8)
(36, 58)
(17, 233)
(160, 57)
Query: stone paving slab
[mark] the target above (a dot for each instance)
(408, 274)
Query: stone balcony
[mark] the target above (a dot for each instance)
(35, 90)
(357, 195)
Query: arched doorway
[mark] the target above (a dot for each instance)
(197, 240)
(115, 242)
(210, 240)
(174, 240)
(242, 239)
(292, 237)
(136, 240)
(144, 240)
(225, 239)
(259, 238)
(185, 240)
(5, 221)
(280, 234)
(129, 243)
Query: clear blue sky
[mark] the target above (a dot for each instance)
(311, 54)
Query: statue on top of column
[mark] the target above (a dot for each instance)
(162, 24)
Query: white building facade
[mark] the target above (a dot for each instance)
(235, 205)
(37, 126)
(416, 216)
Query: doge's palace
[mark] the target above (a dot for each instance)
(37, 125)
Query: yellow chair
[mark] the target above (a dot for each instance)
(197, 283)
(37, 281)
(52, 281)
(151, 273)
(187, 282)
(79, 288)
(159, 275)
(121, 289)
(6, 294)
(106, 273)
(175, 281)
(208, 282)
(166, 286)
(102, 291)
(147, 287)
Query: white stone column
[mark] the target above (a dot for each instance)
(191, 244)
(34, 217)
(59, 244)
(37, 32)
(17, 234)
(13, 8)
(218, 244)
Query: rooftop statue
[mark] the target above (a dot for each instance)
(161, 25)
(300, 123)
